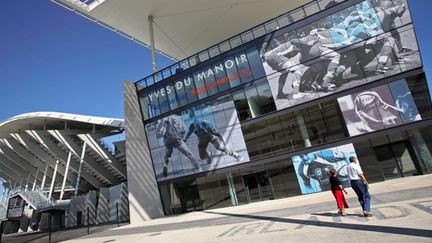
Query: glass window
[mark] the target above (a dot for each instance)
(149, 81)
(163, 101)
(239, 188)
(154, 104)
(311, 8)
(297, 14)
(263, 138)
(193, 60)
(214, 51)
(271, 26)
(421, 141)
(145, 106)
(199, 80)
(266, 102)
(241, 105)
(215, 192)
(251, 143)
(166, 73)
(222, 81)
(292, 131)
(181, 93)
(253, 101)
(244, 71)
(189, 86)
(324, 4)
(246, 37)
(204, 193)
(283, 21)
(283, 178)
(368, 161)
(225, 193)
(211, 84)
(203, 56)
(255, 63)
(419, 90)
(259, 31)
(279, 141)
(172, 97)
(236, 41)
(232, 72)
(224, 46)
(332, 116)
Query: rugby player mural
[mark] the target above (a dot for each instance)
(313, 169)
(378, 108)
(365, 42)
(198, 139)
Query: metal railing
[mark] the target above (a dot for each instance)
(38, 197)
(271, 25)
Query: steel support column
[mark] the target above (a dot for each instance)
(65, 176)
(152, 43)
(28, 181)
(44, 176)
(53, 179)
(80, 168)
(35, 180)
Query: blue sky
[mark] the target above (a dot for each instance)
(54, 60)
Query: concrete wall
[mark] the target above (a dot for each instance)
(119, 196)
(144, 199)
(109, 198)
(10, 227)
(82, 203)
(57, 220)
(25, 219)
(103, 208)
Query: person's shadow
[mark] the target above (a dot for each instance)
(327, 214)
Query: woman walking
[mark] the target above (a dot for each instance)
(337, 188)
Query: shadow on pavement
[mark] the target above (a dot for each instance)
(360, 227)
(335, 214)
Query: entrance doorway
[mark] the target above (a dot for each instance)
(258, 187)
(396, 160)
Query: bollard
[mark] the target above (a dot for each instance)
(49, 227)
(88, 221)
(118, 223)
(1, 230)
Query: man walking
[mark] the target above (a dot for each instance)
(360, 185)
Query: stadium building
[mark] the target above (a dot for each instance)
(290, 91)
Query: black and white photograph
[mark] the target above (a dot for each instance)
(199, 139)
(378, 108)
(360, 44)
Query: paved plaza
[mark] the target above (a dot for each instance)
(402, 208)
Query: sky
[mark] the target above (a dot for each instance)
(54, 60)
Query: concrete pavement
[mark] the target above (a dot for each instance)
(402, 208)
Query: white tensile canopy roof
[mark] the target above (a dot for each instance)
(32, 144)
(181, 28)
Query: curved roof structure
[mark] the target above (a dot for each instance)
(52, 150)
(182, 28)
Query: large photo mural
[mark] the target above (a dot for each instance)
(313, 169)
(378, 108)
(363, 43)
(199, 139)
(360, 44)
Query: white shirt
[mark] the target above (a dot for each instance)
(354, 170)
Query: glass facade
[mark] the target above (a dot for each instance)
(256, 122)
